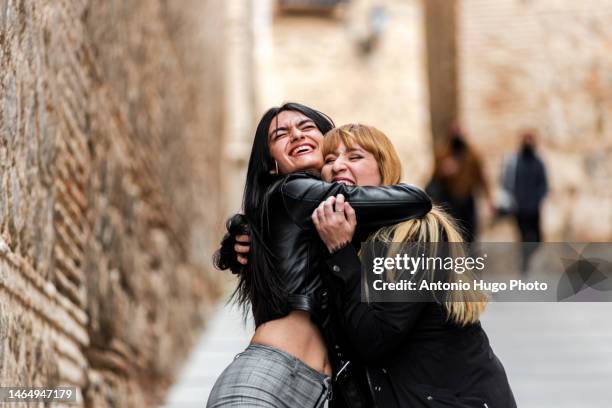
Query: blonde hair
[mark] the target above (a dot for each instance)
(371, 140)
(463, 307)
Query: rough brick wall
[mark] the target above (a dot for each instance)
(109, 150)
(544, 64)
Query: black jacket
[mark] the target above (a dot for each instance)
(414, 356)
(531, 185)
(291, 236)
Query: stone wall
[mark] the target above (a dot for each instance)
(544, 64)
(440, 31)
(110, 127)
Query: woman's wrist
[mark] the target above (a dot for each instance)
(337, 247)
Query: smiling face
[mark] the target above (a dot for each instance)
(295, 142)
(351, 165)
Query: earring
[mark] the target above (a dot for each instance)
(275, 171)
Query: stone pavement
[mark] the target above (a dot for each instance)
(224, 337)
(557, 355)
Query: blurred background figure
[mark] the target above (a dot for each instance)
(458, 177)
(524, 187)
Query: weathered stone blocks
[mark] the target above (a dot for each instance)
(104, 118)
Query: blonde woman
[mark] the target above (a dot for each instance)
(417, 354)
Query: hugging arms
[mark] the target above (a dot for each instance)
(282, 282)
(413, 352)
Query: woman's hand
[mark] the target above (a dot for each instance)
(335, 222)
(242, 248)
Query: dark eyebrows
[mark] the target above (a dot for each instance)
(303, 122)
(300, 124)
(278, 129)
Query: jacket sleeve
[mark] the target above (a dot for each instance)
(375, 207)
(375, 329)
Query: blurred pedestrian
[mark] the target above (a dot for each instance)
(524, 187)
(458, 177)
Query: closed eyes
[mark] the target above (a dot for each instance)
(329, 159)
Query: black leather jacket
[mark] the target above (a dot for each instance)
(415, 357)
(292, 237)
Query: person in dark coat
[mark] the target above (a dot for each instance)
(524, 180)
(458, 177)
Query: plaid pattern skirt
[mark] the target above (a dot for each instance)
(263, 376)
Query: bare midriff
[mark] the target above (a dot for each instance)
(297, 335)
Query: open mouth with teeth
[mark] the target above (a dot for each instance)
(301, 150)
(344, 181)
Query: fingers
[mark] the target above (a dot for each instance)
(328, 212)
(245, 239)
(339, 207)
(321, 214)
(242, 249)
(328, 206)
(350, 214)
(242, 245)
(317, 216)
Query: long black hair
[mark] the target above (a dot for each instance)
(258, 283)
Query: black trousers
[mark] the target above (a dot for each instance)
(529, 227)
